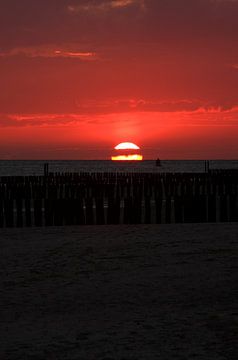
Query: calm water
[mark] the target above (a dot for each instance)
(33, 167)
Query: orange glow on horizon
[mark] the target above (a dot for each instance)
(134, 157)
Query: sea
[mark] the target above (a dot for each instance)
(36, 167)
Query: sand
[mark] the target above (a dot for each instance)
(119, 292)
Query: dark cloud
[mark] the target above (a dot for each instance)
(159, 50)
(28, 22)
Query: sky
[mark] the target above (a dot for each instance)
(77, 77)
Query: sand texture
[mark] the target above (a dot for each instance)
(119, 292)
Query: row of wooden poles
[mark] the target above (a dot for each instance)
(83, 185)
(110, 198)
(47, 212)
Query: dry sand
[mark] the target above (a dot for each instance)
(119, 292)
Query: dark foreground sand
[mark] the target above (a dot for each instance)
(120, 292)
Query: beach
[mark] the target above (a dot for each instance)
(105, 292)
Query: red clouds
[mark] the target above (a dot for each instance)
(93, 73)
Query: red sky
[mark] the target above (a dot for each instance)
(78, 76)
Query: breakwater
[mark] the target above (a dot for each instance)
(118, 198)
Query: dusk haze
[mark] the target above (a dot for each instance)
(79, 76)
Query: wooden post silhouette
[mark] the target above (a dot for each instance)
(46, 169)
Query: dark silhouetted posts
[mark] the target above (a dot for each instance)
(38, 212)
(46, 169)
(130, 198)
(100, 218)
(207, 166)
(223, 208)
(19, 209)
(89, 211)
(147, 210)
(212, 208)
(1, 214)
(49, 212)
(234, 208)
(28, 212)
(58, 210)
(9, 212)
(158, 207)
(168, 210)
(80, 213)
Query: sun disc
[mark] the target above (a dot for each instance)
(126, 146)
(125, 151)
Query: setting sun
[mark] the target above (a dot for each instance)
(126, 146)
(126, 153)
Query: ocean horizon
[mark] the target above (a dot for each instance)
(36, 167)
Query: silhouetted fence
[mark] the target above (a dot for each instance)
(118, 198)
